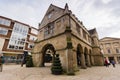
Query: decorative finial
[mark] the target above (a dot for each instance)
(66, 8)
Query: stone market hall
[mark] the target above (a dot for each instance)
(60, 32)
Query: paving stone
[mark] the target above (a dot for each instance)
(15, 72)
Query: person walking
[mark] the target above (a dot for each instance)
(1, 63)
(25, 54)
(106, 63)
(113, 63)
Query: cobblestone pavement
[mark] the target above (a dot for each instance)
(16, 72)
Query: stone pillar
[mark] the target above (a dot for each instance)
(92, 60)
(37, 59)
(98, 57)
(83, 66)
(70, 63)
(75, 61)
(115, 58)
(88, 61)
(98, 60)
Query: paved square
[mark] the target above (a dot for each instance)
(16, 72)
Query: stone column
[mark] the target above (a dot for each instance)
(70, 67)
(112, 48)
(83, 66)
(37, 59)
(115, 58)
(92, 60)
(88, 61)
(98, 57)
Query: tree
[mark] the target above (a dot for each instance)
(56, 66)
(29, 62)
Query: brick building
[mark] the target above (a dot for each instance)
(15, 37)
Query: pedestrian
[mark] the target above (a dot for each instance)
(25, 54)
(113, 63)
(106, 63)
(23, 62)
(1, 63)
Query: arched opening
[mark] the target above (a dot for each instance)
(86, 53)
(78, 53)
(48, 53)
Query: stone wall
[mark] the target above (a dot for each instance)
(59, 43)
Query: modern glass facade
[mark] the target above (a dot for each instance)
(34, 31)
(18, 37)
(31, 45)
(5, 22)
(3, 31)
(15, 38)
(33, 38)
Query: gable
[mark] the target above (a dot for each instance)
(52, 14)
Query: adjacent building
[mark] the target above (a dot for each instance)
(60, 32)
(110, 48)
(15, 37)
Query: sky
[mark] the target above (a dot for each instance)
(104, 15)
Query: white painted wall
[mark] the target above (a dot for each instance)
(1, 43)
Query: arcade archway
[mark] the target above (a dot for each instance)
(78, 53)
(48, 53)
(86, 54)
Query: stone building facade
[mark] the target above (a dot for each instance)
(60, 32)
(110, 47)
(15, 37)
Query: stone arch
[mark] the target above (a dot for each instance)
(86, 56)
(79, 51)
(48, 51)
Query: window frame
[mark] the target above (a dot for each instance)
(49, 29)
(117, 50)
(3, 31)
(5, 22)
(108, 50)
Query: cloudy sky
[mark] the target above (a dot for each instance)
(104, 15)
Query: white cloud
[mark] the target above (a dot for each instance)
(115, 34)
(94, 13)
(99, 17)
(106, 1)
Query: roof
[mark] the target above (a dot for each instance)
(17, 22)
(5, 18)
(109, 38)
(92, 31)
(56, 6)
